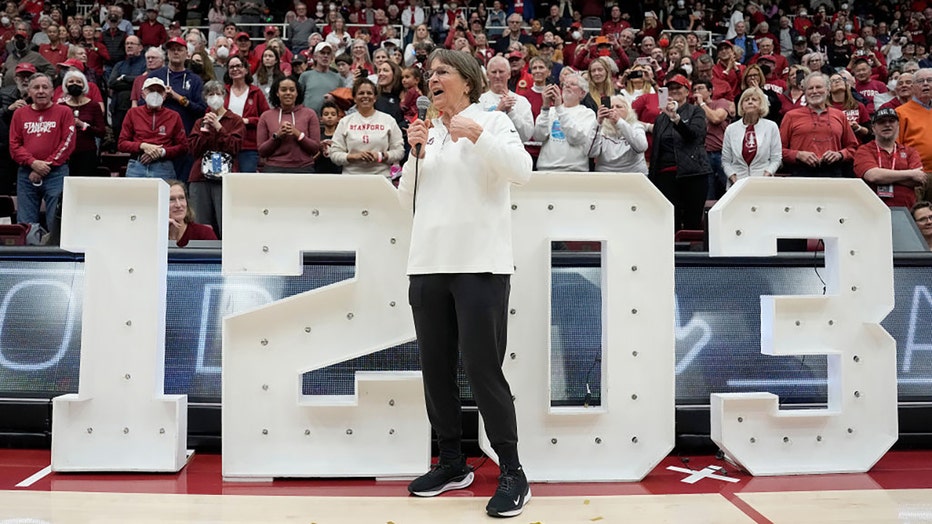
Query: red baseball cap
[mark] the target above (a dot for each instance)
(25, 67)
(241, 35)
(679, 79)
(73, 62)
(23, 34)
(270, 29)
(177, 41)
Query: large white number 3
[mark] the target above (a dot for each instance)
(860, 423)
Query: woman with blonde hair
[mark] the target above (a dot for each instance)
(754, 77)
(421, 34)
(637, 81)
(751, 146)
(621, 141)
(601, 82)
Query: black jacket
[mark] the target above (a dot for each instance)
(686, 140)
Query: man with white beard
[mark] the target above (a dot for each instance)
(499, 98)
(12, 97)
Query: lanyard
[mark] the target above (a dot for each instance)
(892, 155)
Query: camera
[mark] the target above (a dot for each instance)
(636, 74)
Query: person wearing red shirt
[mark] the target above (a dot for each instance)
(181, 225)
(727, 71)
(766, 48)
(903, 90)
(245, 51)
(153, 134)
(867, 87)
(55, 51)
(42, 138)
(151, 32)
(817, 139)
(616, 24)
(892, 170)
(96, 53)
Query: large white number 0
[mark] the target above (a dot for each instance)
(633, 429)
(269, 428)
(860, 423)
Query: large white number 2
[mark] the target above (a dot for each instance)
(633, 429)
(860, 423)
(120, 420)
(269, 428)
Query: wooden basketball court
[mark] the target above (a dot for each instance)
(897, 490)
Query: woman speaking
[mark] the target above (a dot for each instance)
(459, 266)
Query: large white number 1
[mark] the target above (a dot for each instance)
(120, 420)
(269, 428)
(860, 423)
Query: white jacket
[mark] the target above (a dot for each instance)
(621, 154)
(520, 113)
(462, 221)
(769, 150)
(567, 134)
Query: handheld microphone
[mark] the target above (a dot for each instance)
(422, 104)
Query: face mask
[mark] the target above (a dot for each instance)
(891, 85)
(848, 28)
(20, 44)
(5, 21)
(215, 102)
(154, 100)
(190, 48)
(680, 4)
(688, 68)
(576, 35)
(197, 68)
(223, 52)
(114, 18)
(75, 90)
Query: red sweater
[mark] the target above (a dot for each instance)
(289, 151)
(805, 130)
(161, 127)
(152, 34)
(228, 140)
(196, 231)
(256, 104)
(46, 135)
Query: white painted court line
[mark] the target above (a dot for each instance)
(36, 477)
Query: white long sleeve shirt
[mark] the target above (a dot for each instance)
(356, 133)
(567, 134)
(520, 113)
(769, 150)
(623, 153)
(462, 220)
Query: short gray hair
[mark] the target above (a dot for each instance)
(466, 65)
(213, 87)
(810, 76)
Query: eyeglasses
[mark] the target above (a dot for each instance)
(440, 72)
(924, 220)
(922, 80)
(236, 66)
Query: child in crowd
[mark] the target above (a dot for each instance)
(412, 79)
(330, 115)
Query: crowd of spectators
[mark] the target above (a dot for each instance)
(695, 95)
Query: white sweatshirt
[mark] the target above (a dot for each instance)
(567, 134)
(356, 133)
(462, 221)
(769, 150)
(520, 113)
(623, 153)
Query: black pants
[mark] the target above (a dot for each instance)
(465, 314)
(687, 194)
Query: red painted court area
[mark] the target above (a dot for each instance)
(896, 470)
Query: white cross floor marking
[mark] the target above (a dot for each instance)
(706, 473)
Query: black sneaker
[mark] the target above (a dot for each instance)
(442, 477)
(512, 495)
